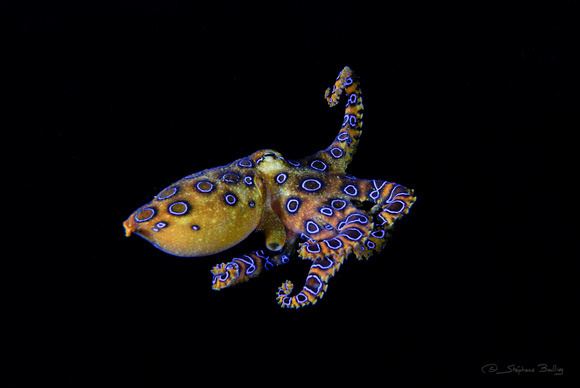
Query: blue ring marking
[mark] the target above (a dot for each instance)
(350, 237)
(341, 225)
(292, 205)
(380, 216)
(197, 186)
(318, 286)
(318, 263)
(357, 218)
(139, 220)
(309, 246)
(341, 204)
(348, 81)
(230, 199)
(261, 254)
(326, 211)
(336, 153)
(195, 227)
(159, 197)
(320, 165)
(316, 181)
(161, 225)
(230, 177)
(175, 213)
(233, 265)
(393, 192)
(293, 163)
(350, 190)
(252, 204)
(224, 276)
(396, 212)
(352, 121)
(250, 264)
(268, 265)
(301, 294)
(375, 193)
(370, 244)
(352, 99)
(249, 180)
(246, 163)
(281, 178)
(345, 120)
(311, 227)
(285, 259)
(334, 246)
(286, 301)
(378, 234)
(328, 227)
(343, 136)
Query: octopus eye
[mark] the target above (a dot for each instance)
(178, 208)
(145, 214)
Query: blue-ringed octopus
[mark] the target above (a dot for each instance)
(310, 208)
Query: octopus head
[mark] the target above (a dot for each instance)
(183, 221)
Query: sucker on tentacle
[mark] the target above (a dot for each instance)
(314, 200)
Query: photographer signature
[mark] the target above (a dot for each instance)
(516, 369)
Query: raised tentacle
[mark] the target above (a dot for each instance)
(315, 286)
(244, 268)
(345, 144)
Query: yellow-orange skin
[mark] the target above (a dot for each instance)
(221, 225)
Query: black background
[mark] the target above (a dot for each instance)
(473, 106)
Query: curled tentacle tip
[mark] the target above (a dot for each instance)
(286, 288)
(218, 269)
